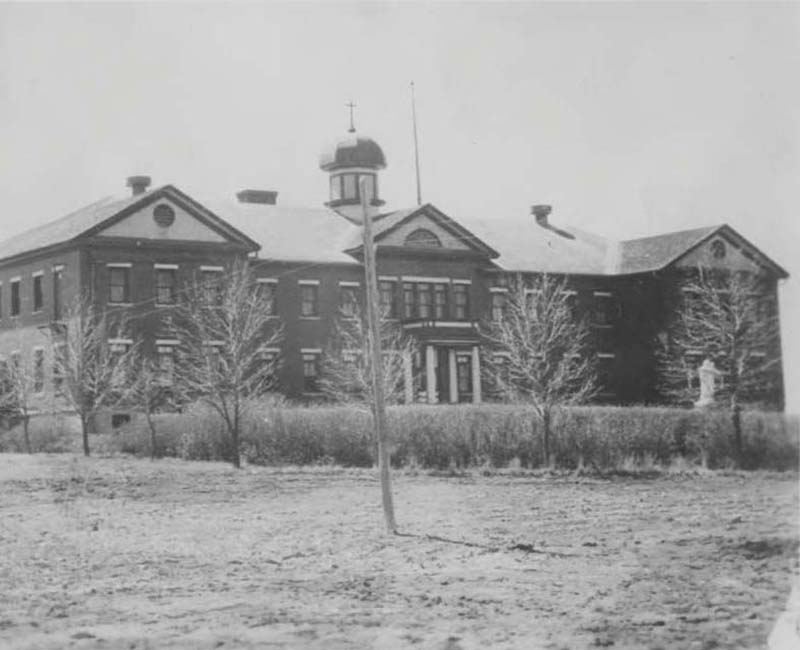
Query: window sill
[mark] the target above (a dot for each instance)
(598, 326)
(310, 317)
(120, 304)
(165, 304)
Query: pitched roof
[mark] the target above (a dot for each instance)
(90, 218)
(526, 246)
(67, 227)
(292, 234)
(653, 253)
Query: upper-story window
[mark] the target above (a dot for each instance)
(15, 297)
(58, 286)
(498, 305)
(267, 290)
(346, 187)
(388, 289)
(166, 283)
(605, 309)
(440, 301)
(211, 284)
(461, 301)
(119, 283)
(718, 249)
(38, 293)
(309, 299)
(423, 238)
(348, 299)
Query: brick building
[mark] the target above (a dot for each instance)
(439, 275)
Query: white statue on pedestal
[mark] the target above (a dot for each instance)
(707, 373)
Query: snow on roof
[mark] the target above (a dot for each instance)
(526, 246)
(292, 234)
(67, 227)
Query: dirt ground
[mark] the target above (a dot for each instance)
(124, 553)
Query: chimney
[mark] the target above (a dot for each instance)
(264, 197)
(541, 212)
(138, 184)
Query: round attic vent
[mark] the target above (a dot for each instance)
(718, 249)
(164, 215)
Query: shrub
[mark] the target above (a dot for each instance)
(48, 434)
(489, 435)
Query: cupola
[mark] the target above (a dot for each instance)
(351, 159)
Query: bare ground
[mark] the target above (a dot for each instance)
(123, 553)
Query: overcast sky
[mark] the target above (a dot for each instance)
(631, 119)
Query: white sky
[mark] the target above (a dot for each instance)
(631, 119)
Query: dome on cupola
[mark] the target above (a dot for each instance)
(353, 150)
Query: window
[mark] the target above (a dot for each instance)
(424, 300)
(605, 309)
(164, 215)
(118, 347)
(166, 282)
(347, 187)
(350, 186)
(165, 359)
(267, 288)
(309, 300)
(498, 305)
(718, 249)
(440, 301)
(605, 374)
(461, 301)
(310, 371)
(38, 296)
(38, 370)
(423, 238)
(387, 292)
(59, 350)
(15, 298)
(348, 300)
(58, 281)
(1, 299)
(211, 286)
(408, 300)
(119, 284)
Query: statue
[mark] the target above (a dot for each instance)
(707, 372)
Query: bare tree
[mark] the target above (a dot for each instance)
(732, 319)
(152, 390)
(20, 383)
(539, 350)
(346, 365)
(92, 357)
(228, 337)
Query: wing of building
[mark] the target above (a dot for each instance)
(440, 276)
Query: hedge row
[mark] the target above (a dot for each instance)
(461, 436)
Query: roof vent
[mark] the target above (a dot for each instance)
(264, 197)
(541, 212)
(138, 184)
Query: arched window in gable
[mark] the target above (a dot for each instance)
(423, 238)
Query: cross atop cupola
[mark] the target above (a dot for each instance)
(351, 106)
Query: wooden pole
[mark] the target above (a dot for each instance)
(373, 317)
